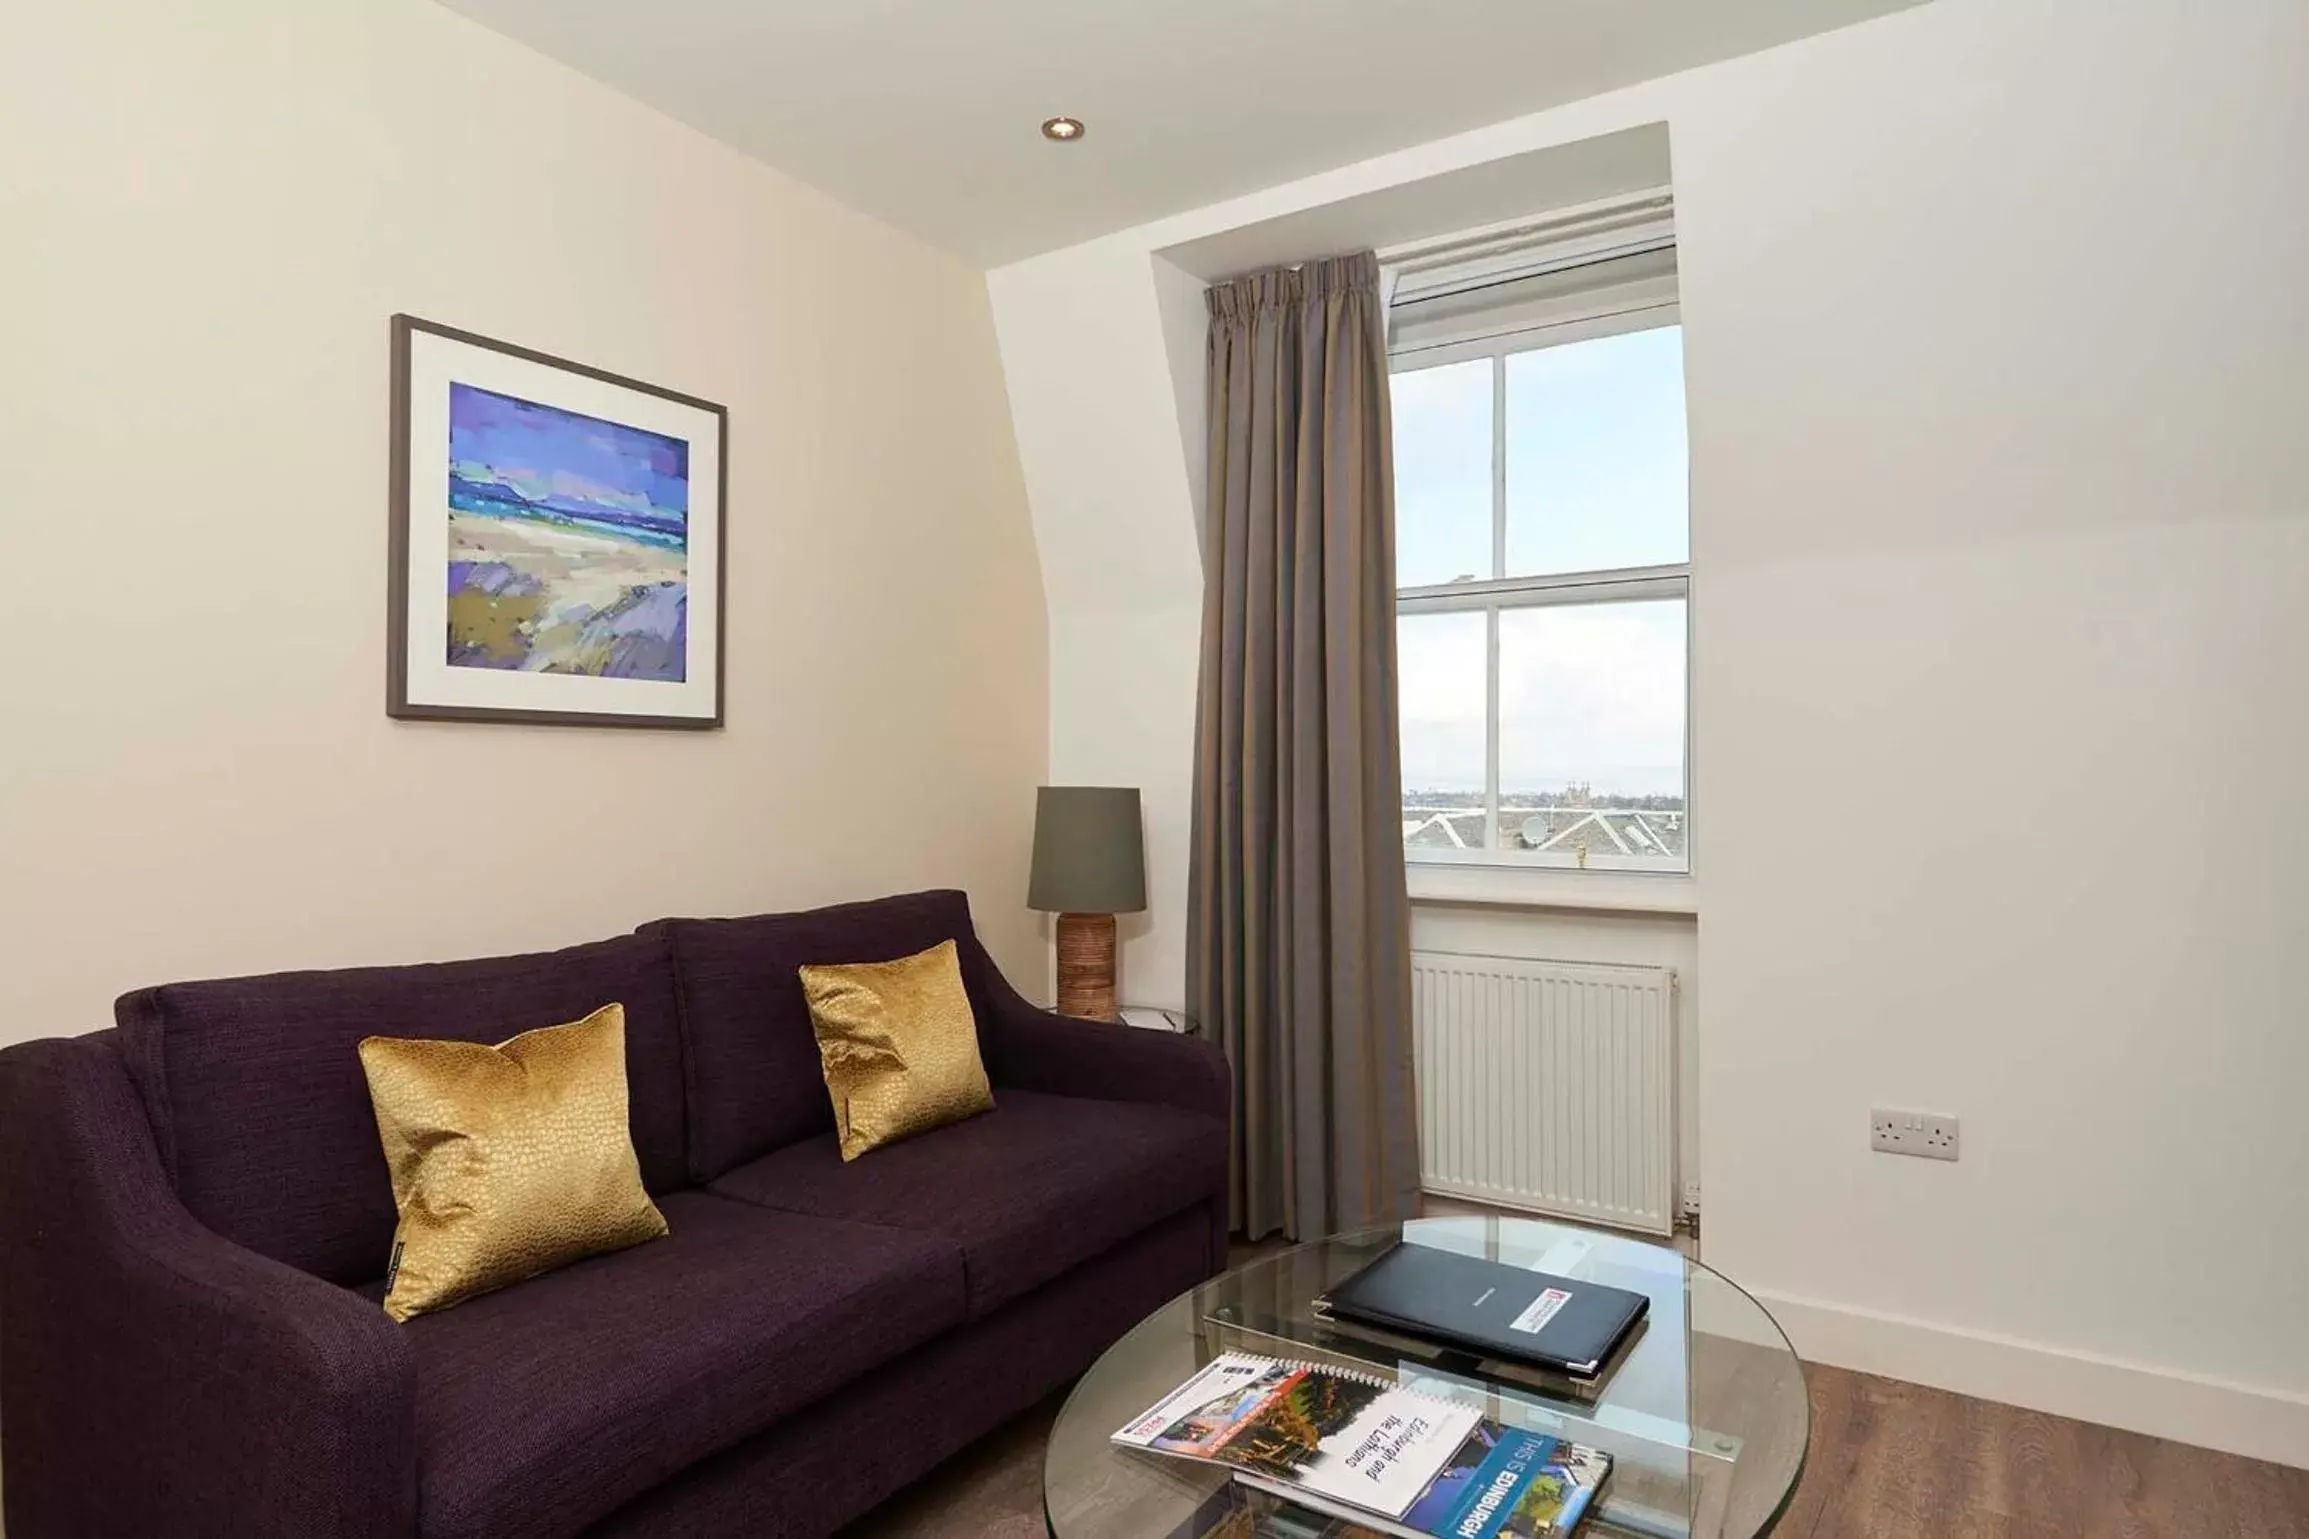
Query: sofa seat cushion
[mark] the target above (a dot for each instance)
(542, 1408)
(1028, 1190)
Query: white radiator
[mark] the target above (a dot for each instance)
(1549, 1086)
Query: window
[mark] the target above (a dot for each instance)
(1543, 575)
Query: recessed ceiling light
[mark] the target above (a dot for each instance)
(1062, 130)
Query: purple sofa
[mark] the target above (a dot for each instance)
(194, 1220)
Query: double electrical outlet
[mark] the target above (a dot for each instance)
(1926, 1135)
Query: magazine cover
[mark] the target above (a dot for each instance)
(1356, 1440)
(1501, 1484)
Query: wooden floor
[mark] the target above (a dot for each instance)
(1897, 1461)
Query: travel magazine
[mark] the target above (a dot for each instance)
(1371, 1452)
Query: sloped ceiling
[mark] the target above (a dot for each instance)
(926, 113)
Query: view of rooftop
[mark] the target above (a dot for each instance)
(1575, 823)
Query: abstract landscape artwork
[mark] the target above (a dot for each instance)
(568, 541)
(556, 540)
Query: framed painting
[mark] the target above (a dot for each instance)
(556, 547)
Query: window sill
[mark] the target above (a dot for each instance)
(1600, 892)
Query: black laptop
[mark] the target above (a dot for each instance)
(1491, 1307)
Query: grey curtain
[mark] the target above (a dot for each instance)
(1298, 930)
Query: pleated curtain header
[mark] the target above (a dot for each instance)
(1280, 286)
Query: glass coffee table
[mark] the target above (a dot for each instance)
(1704, 1409)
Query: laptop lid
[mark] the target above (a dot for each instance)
(1505, 1311)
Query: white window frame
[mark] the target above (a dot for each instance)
(1644, 305)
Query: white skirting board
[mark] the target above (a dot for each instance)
(2258, 1422)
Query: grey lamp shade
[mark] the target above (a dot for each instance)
(1089, 857)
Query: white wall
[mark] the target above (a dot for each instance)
(210, 212)
(1997, 353)
(1124, 584)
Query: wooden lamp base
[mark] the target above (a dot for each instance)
(1086, 966)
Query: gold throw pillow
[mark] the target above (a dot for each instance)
(899, 1046)
(507, 1161)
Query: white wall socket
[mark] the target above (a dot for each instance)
(1927, 1135)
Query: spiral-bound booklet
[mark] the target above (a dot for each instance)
(1371, 1451)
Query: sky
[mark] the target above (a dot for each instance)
(1596, 479)
(576, 461)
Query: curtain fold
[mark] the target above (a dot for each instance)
(1298, 934)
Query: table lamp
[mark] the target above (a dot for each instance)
(1089, 865)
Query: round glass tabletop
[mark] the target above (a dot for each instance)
(1704, 1410)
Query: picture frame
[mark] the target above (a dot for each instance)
(557, 540)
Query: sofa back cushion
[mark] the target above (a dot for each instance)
(755, 1081)
(262, 1113)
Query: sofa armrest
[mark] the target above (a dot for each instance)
(154, 1376)
(1101, 1061)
